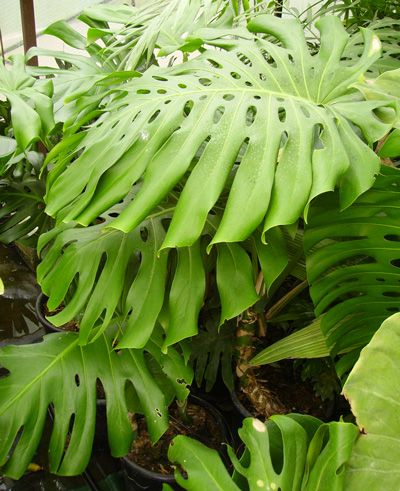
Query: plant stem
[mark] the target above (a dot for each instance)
(183, 413)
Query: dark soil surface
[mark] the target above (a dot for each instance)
(69, 326)
(285, 392)
(154, 458)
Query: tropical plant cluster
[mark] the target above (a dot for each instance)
(203, 177)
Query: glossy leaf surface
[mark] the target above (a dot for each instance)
(356, 277)
(59, 361)
(253, 95)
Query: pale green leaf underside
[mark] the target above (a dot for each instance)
(251, 95)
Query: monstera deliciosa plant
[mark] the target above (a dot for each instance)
(163, 181)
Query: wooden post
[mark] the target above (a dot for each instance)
(28, 27)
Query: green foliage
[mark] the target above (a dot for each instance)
(355, 278)
(161, 119)
(292, 452)
(61, 372)
(29, 123)
(321, 372)
(212, 347)
(373, 391)
(24, 202)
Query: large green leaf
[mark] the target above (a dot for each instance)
(251, 94)
(22, 208)
(356, 277)
(61, 372)
(23, 91)
(105, 265)
(389, 35)
(373, 389)
(292, 452)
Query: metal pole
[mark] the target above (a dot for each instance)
(28, 27)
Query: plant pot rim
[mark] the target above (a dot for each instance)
(170, 478)
(49, 327)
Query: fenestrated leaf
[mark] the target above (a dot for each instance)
(251, 93)
(17, 86)
(373, 390)
(355, 278)
(59, 361)
(100, 262)
(389, 35)
(22, 204)
(291, 452)
(214, 347)
(235, 281)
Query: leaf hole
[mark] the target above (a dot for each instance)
(311, 72)
(330, 77)
(136, 116)
(263, 78)
(161, 91)
(391, 294)
(257, 97)
(249, 84)
(244, 59)
(167, 102)
(143, 91)
(214, 63)
(187, 108)
(77, 380)
(182, 86)
(282, 114)
(219, 112)
(158, 412)
(113, 215)
(27, 190)
(392, 238)
(154, 116)
(395, 263)
(242, 149)
(380, 279)
(160, 79)
(291, 59)
(203, 97)
(4, 373)
(205, 82)
(386, 115)
(251, 115)
(235, 75)
(144, 234)
(228, 97)
(115, 124)
(392, 309)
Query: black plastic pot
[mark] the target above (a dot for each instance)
(137, 478)
(39, 307)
